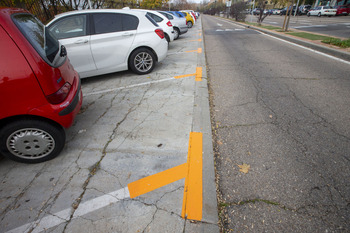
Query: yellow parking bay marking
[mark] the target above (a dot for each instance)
(196, 40)
(192, 172)
(199, 50)
(198, 74)
(156, 181)
(193, 191)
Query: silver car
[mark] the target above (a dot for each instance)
(179, 24)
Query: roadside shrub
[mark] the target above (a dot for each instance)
(237, 11)
(338, 42)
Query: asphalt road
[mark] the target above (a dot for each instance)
(284, 112)
(331, 26)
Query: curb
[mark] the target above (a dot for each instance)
(202, 123)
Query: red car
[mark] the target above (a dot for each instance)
(343, 10)
(39, 89)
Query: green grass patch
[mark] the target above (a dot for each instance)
(309, 36)
(338, 42)
(253, 24)
(265, 26)
(271, 27)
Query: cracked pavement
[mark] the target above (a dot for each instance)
(129, 127)
(285, 112)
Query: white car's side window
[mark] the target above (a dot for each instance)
(69, 27)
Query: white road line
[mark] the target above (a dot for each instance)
(311, 26)
(126, 87)
(231, 23)
(312, 50)
(64, 215)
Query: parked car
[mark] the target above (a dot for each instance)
(179, 24)
(39, 89)
(177, 13)
(191, 12)
(284, 10)
(197, 14)
(103, 41)
(161, 20)
(276, 11)
(342, 10)
(189, 19)
(256, 11)
(322, 10)
(267, 12)
(304, 9)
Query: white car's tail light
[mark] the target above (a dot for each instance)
(160, 33)
(169, 24)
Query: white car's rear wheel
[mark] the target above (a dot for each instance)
(142, 61)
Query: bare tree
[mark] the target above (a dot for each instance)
(262, 5)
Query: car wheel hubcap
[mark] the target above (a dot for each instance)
(143, 62)
(176, 34)
(30, 142)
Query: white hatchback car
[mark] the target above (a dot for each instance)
(161, 20)
(179, 24)
(106, 40)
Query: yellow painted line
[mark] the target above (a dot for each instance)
(198, 74)
(157, 180)
(199, 50)
(196, 40)
(193, 192)
(184, 76)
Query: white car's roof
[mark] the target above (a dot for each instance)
(99, 11)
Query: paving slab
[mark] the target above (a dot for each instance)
(130, 127)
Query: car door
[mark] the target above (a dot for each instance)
(73, 32)
(112, 38)
(317, 10)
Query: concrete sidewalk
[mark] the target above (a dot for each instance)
(131, 128)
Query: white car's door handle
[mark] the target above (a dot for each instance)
(81, 41)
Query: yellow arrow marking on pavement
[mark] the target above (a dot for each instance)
(198, 74)
(192, 172)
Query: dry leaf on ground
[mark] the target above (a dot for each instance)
(244, 168)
